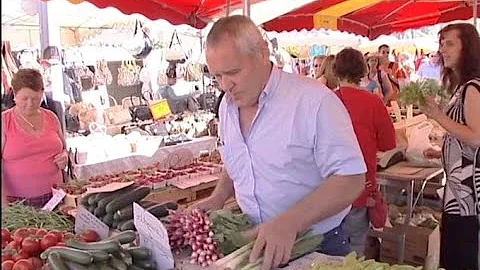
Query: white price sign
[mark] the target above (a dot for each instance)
(57, 197)
(85, 220)
(153, 235)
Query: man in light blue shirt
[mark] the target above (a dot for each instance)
(291, 156)
(431, 69)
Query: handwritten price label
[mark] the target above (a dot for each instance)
(85, 220)
(153, 235)
(57, 197)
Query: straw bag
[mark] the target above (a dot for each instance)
(175, 53)
(117, 114)
(193, 72)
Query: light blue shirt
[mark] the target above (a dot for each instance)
(301, 135)
(429, 71)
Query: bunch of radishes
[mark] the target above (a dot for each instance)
(193, 229)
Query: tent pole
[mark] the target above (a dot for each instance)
(475, 13)
(228, 8)
(246, 8)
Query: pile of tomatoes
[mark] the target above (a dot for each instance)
(21, 249)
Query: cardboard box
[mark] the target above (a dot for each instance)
(422, 245)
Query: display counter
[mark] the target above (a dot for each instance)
(168, 154)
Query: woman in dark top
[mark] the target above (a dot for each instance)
(460, 227)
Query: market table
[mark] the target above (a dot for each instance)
(404, 175)
(168, 154)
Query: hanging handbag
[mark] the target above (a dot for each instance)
(175, 53)
(116, 114)
(141, 45)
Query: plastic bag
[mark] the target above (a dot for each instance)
(418, 142)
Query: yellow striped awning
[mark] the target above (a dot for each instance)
(328, 18)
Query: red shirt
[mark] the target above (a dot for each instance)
(374, 129)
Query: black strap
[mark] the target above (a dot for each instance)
(175, 36)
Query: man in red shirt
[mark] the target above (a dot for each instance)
(374, 130)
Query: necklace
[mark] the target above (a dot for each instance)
(28, 122)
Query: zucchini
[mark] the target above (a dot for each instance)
(127, 211)
(75, 266)
(124, 256)
(158, 211)
(104, 266)
(127, 199)
(55, 261)
(125, 237)
(108, 219)
(134, 267)
(128, 225)
(112, 195)
(91, 208)
(115, 223)
(117, 263)
(99, 255)
(139, 253)
(91, 199)
(147, 264)
(71, 254)
(84, 200)
(171, 205)
(99, 211)
(106, 245)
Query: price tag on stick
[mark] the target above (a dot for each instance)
(57, 197)
(85, 220)
(153, 235)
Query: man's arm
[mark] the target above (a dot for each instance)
(223, 190)
(332, 194)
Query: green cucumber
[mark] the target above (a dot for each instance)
(127, 212)
(99, 255)
(158, 211)
(71, 254)
(139, 253)
(127, 199)
(91, 199)
(99, 211)
(84, 200)
(135, 267)
(171, 205)
(115, 223)
(106, 245)
(147, 264)
(108, 219)
(92, 208)
(104, 266)
(125, 237)
(75, 266)
(112, 195)
(128, 225)
(124, 256)
(117, 263)
(55, 261)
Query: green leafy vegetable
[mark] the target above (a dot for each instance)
(415, 92)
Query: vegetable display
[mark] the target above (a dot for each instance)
(17, 215)
(115, 209)
(416, 91)
(118, 252)
(21, 249)
(352, 263)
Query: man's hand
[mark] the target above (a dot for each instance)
(209, 204)
(275, 239)
(61, 160)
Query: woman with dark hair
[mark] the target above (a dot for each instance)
(33, 146)
(327, 75)
(460, 227)
(374, 130)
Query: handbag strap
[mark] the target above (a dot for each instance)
(175, 36)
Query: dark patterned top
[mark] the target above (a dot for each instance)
(461, 163)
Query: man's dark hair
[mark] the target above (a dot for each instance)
(383, 46)
(350, 65)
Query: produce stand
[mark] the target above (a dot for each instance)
(403, 175)
(85, 171)
(182, 196)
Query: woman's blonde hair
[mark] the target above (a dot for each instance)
(327, 70)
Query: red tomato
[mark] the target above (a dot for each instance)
(31, 245)
(49, 240)
(36, 262)
(6, 235)
(32, 231)
(58, 233)
(41, 232)
(89, 236)
(20, 255)
(4, 244)
(67, 236)
(23, 265)
(19, 235)
(12, 245)
(7, 265)
(6, 257)
(60, 244)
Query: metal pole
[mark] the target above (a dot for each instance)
(246, 8)
(475, 13)
(228, 8)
